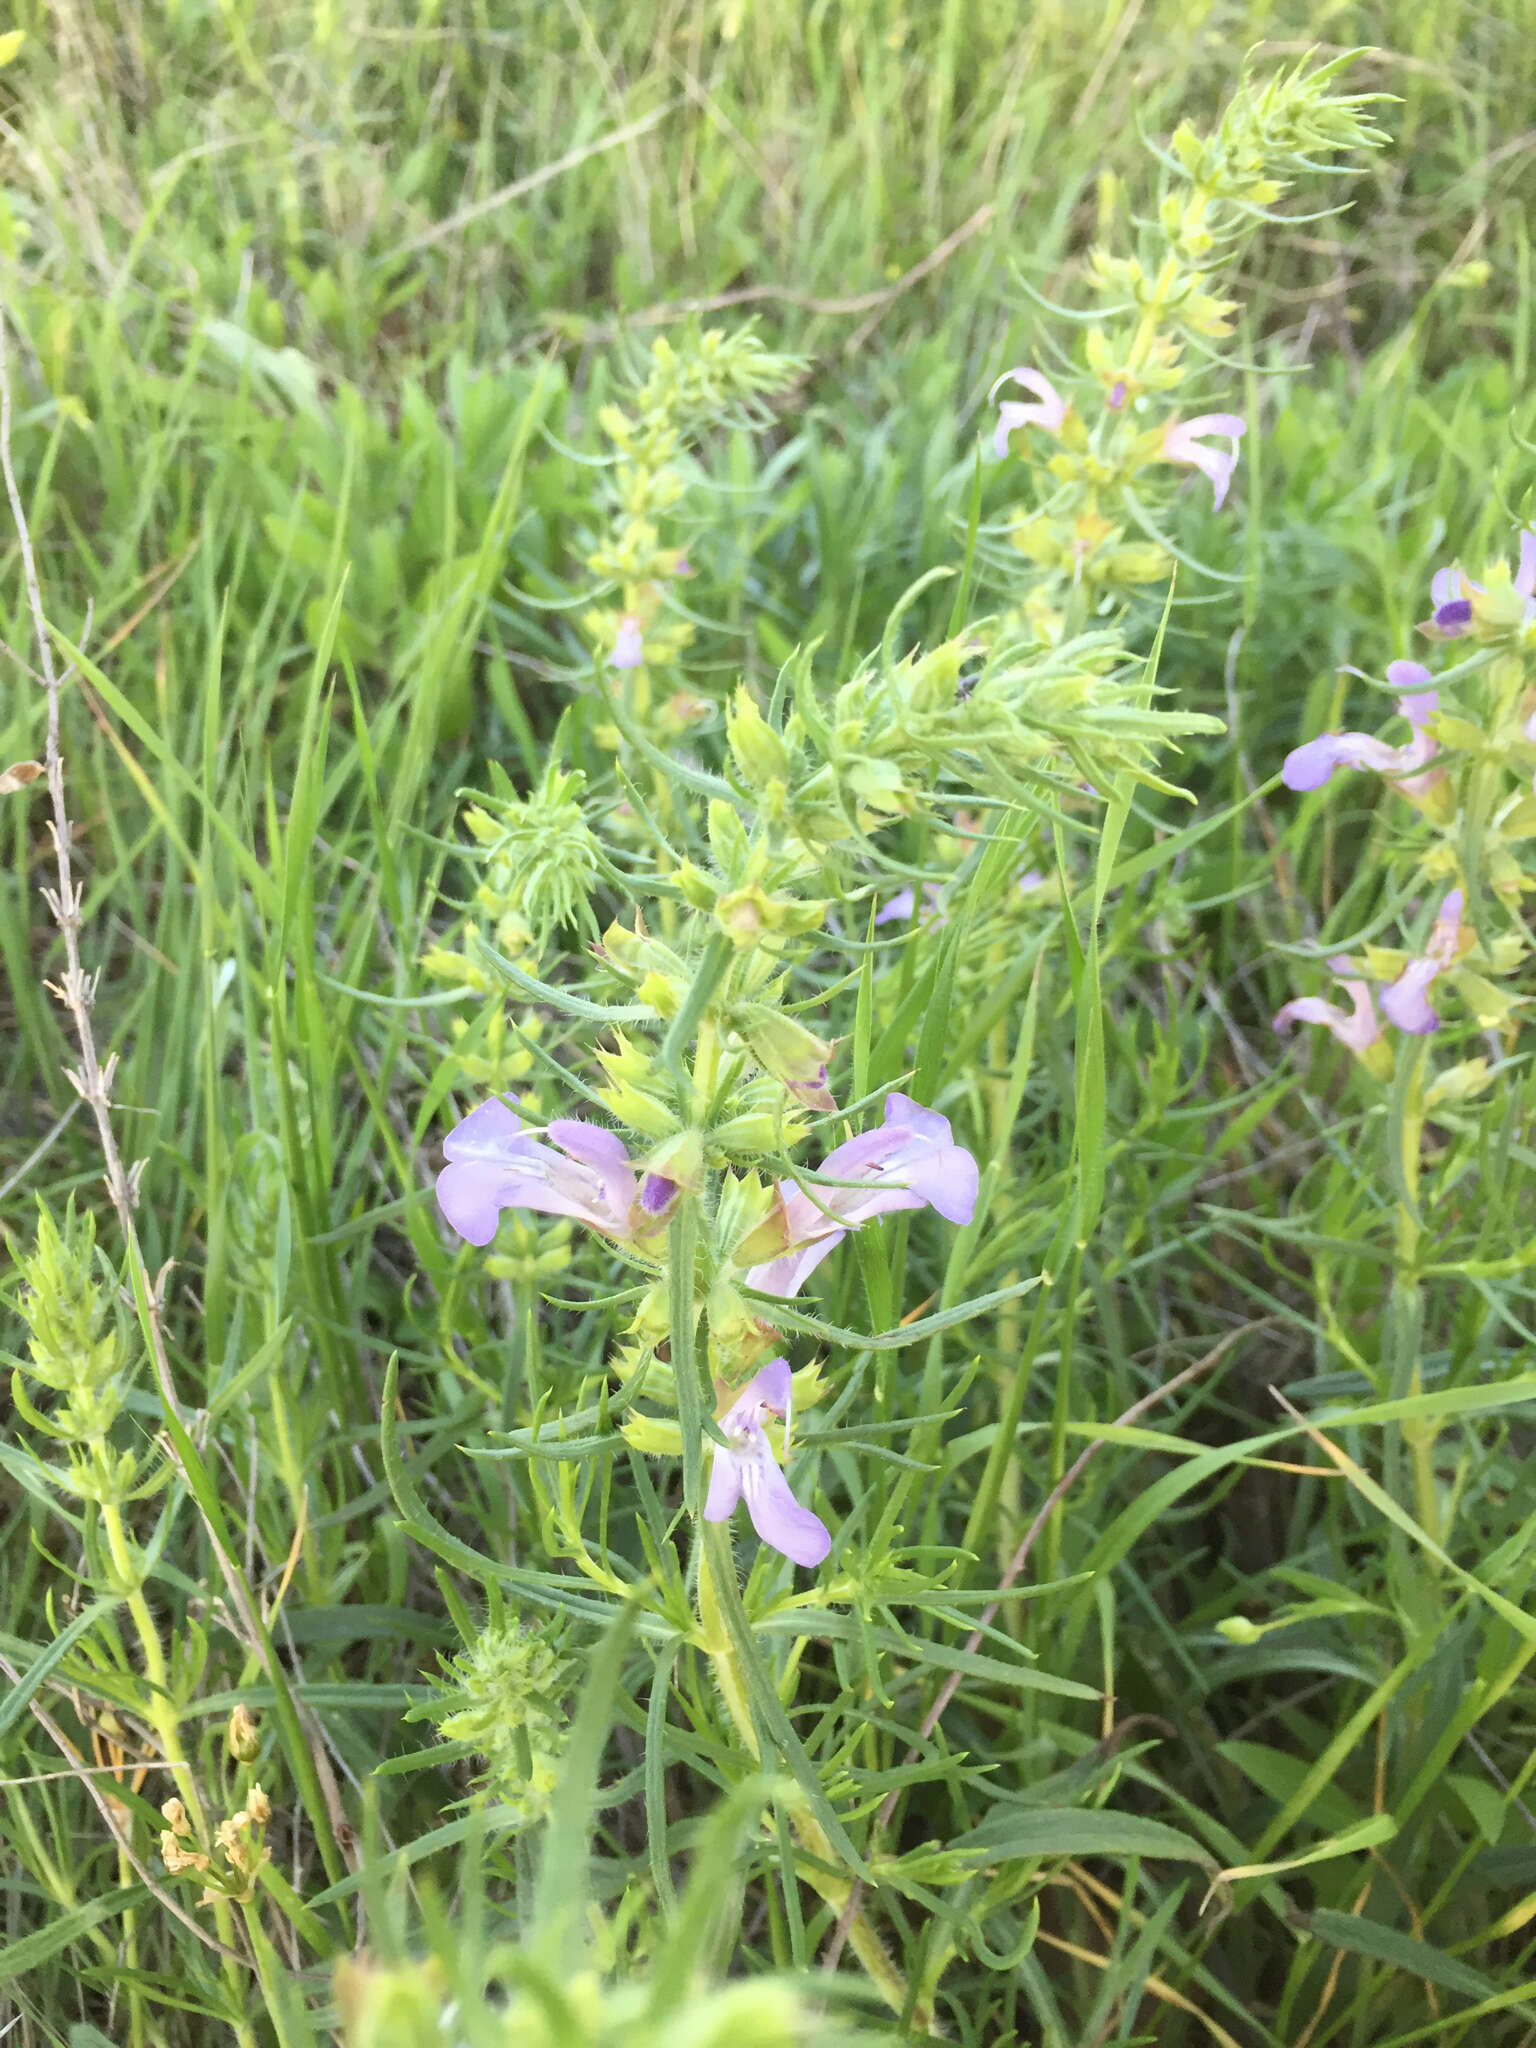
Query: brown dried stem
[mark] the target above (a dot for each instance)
(76, 990)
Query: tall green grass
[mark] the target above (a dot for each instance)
(300, 395)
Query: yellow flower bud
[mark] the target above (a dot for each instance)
(242, 1737)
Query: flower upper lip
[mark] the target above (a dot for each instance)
(1182, 442)
(910, 1162)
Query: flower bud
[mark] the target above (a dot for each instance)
(1457, 1084)
(788, 1051)
(241, 1737)
(745, 914)
(630, 1096)
(759, 752)
(680, 1159)
(739, 1339)
(728, 840)
(696, 886)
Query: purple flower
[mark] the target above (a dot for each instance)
(1404, 1003)
(628, 647)
(899, 909)
(911, 1162)
(1182, 443)
(492, 1166)
(1452, 615)
(1452, 592)
(1116, 397)
(748, 1471)
(1309, 766)
(1049, 413)
(1357, 1031)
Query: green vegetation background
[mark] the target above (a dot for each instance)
(300, 287)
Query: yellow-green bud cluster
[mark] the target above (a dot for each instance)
(409, 2005)
(993, 711)
(540, 858)
(706, 380)
(77, 1349)
(1219, 189)
(507, 1695)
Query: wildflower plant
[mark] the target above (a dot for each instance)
(711, 1126)
(1465, 813)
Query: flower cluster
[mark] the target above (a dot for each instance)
(1404, 1002)
(710, 379)
(1098, 433)
(910, 1162)
(79, 1352)
(506, 1695)
(1469, 728)
(239, 1842)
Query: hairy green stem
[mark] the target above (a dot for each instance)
(715, 1639)
(162, 1716)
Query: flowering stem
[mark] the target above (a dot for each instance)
(715, 1640)
(160, 1712)
(269, 1970)
(1405, 1318)
(711, 970)
(682, 1256)
(92, 1081)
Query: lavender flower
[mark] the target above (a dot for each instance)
(1357, 1031)
(628, 647)
(1404, 1003)
(748, 1471)
(1182, 443)
(899, 909)
(1452, 591)
(1309, 766)
(911, 1162)
(1049, 413)
(492, 1166)
(1452, 616)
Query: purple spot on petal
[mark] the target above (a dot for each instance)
(656, 1192)
(1454, 617)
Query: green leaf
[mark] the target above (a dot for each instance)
(561, 1890)
(14, 1705)
(1076, 1831)
(35, 1949)
(766, 1704)
(1383, 1944)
